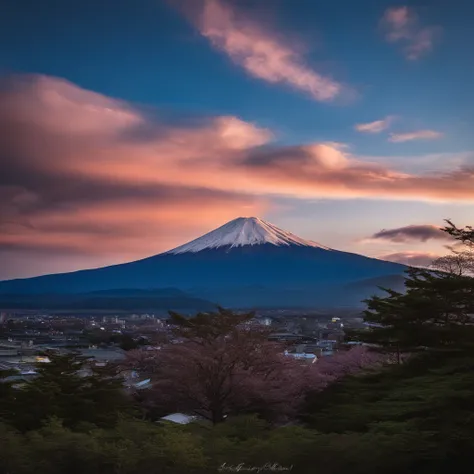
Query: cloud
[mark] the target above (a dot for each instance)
(116, 183)
(318, 170)
(411, 233)
(261, 53)
(413, 259)
(54, 139)
(374, 127)
(418, 135)
(401, 25)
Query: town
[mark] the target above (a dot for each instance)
(26, 336)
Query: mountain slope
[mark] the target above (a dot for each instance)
(244, 253)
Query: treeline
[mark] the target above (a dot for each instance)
(404, 406)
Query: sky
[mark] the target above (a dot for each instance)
(130, 127)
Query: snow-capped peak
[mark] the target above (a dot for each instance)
(244, 231)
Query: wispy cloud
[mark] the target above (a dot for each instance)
(401, 25)
(375, 127)
(411, 233)
(261, 52)
(417, 135)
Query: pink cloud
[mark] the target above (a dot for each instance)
(224, 154)
(64, 187)
(399, 22)
(374, 127)
(60, 107)
(411, 258)
(417, 135)
(401, 25)
(259, 51)
(136, 185)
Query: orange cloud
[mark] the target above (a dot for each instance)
(418, 135)
(223, 154)
(401, 25)
(120, 182)
(259, 51)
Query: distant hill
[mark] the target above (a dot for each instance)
(394, 282)
(121, 299)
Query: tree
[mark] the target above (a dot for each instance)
(459, 262)
(435, 312)
(127, 343)
(218, 365)
(464, 235)
(353, 361)
(69, 389)
(7, 392)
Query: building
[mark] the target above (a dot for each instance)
(307, 358)
(285, 337)
(179, 418)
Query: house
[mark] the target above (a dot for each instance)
(179, 418)
(308, 358)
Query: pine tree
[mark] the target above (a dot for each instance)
(464, 235)
(436, 312)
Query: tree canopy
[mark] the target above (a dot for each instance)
(68, 388)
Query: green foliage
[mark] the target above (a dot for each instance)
(70, 390)
(414, 418)
(6, 391)
(421, 412)
(132, 448)
(434, 313)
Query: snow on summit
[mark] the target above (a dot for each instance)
(244, 231)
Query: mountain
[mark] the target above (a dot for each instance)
(247, 262)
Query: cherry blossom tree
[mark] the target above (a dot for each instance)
(219, 366)
(332, 368)
(221, 376)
